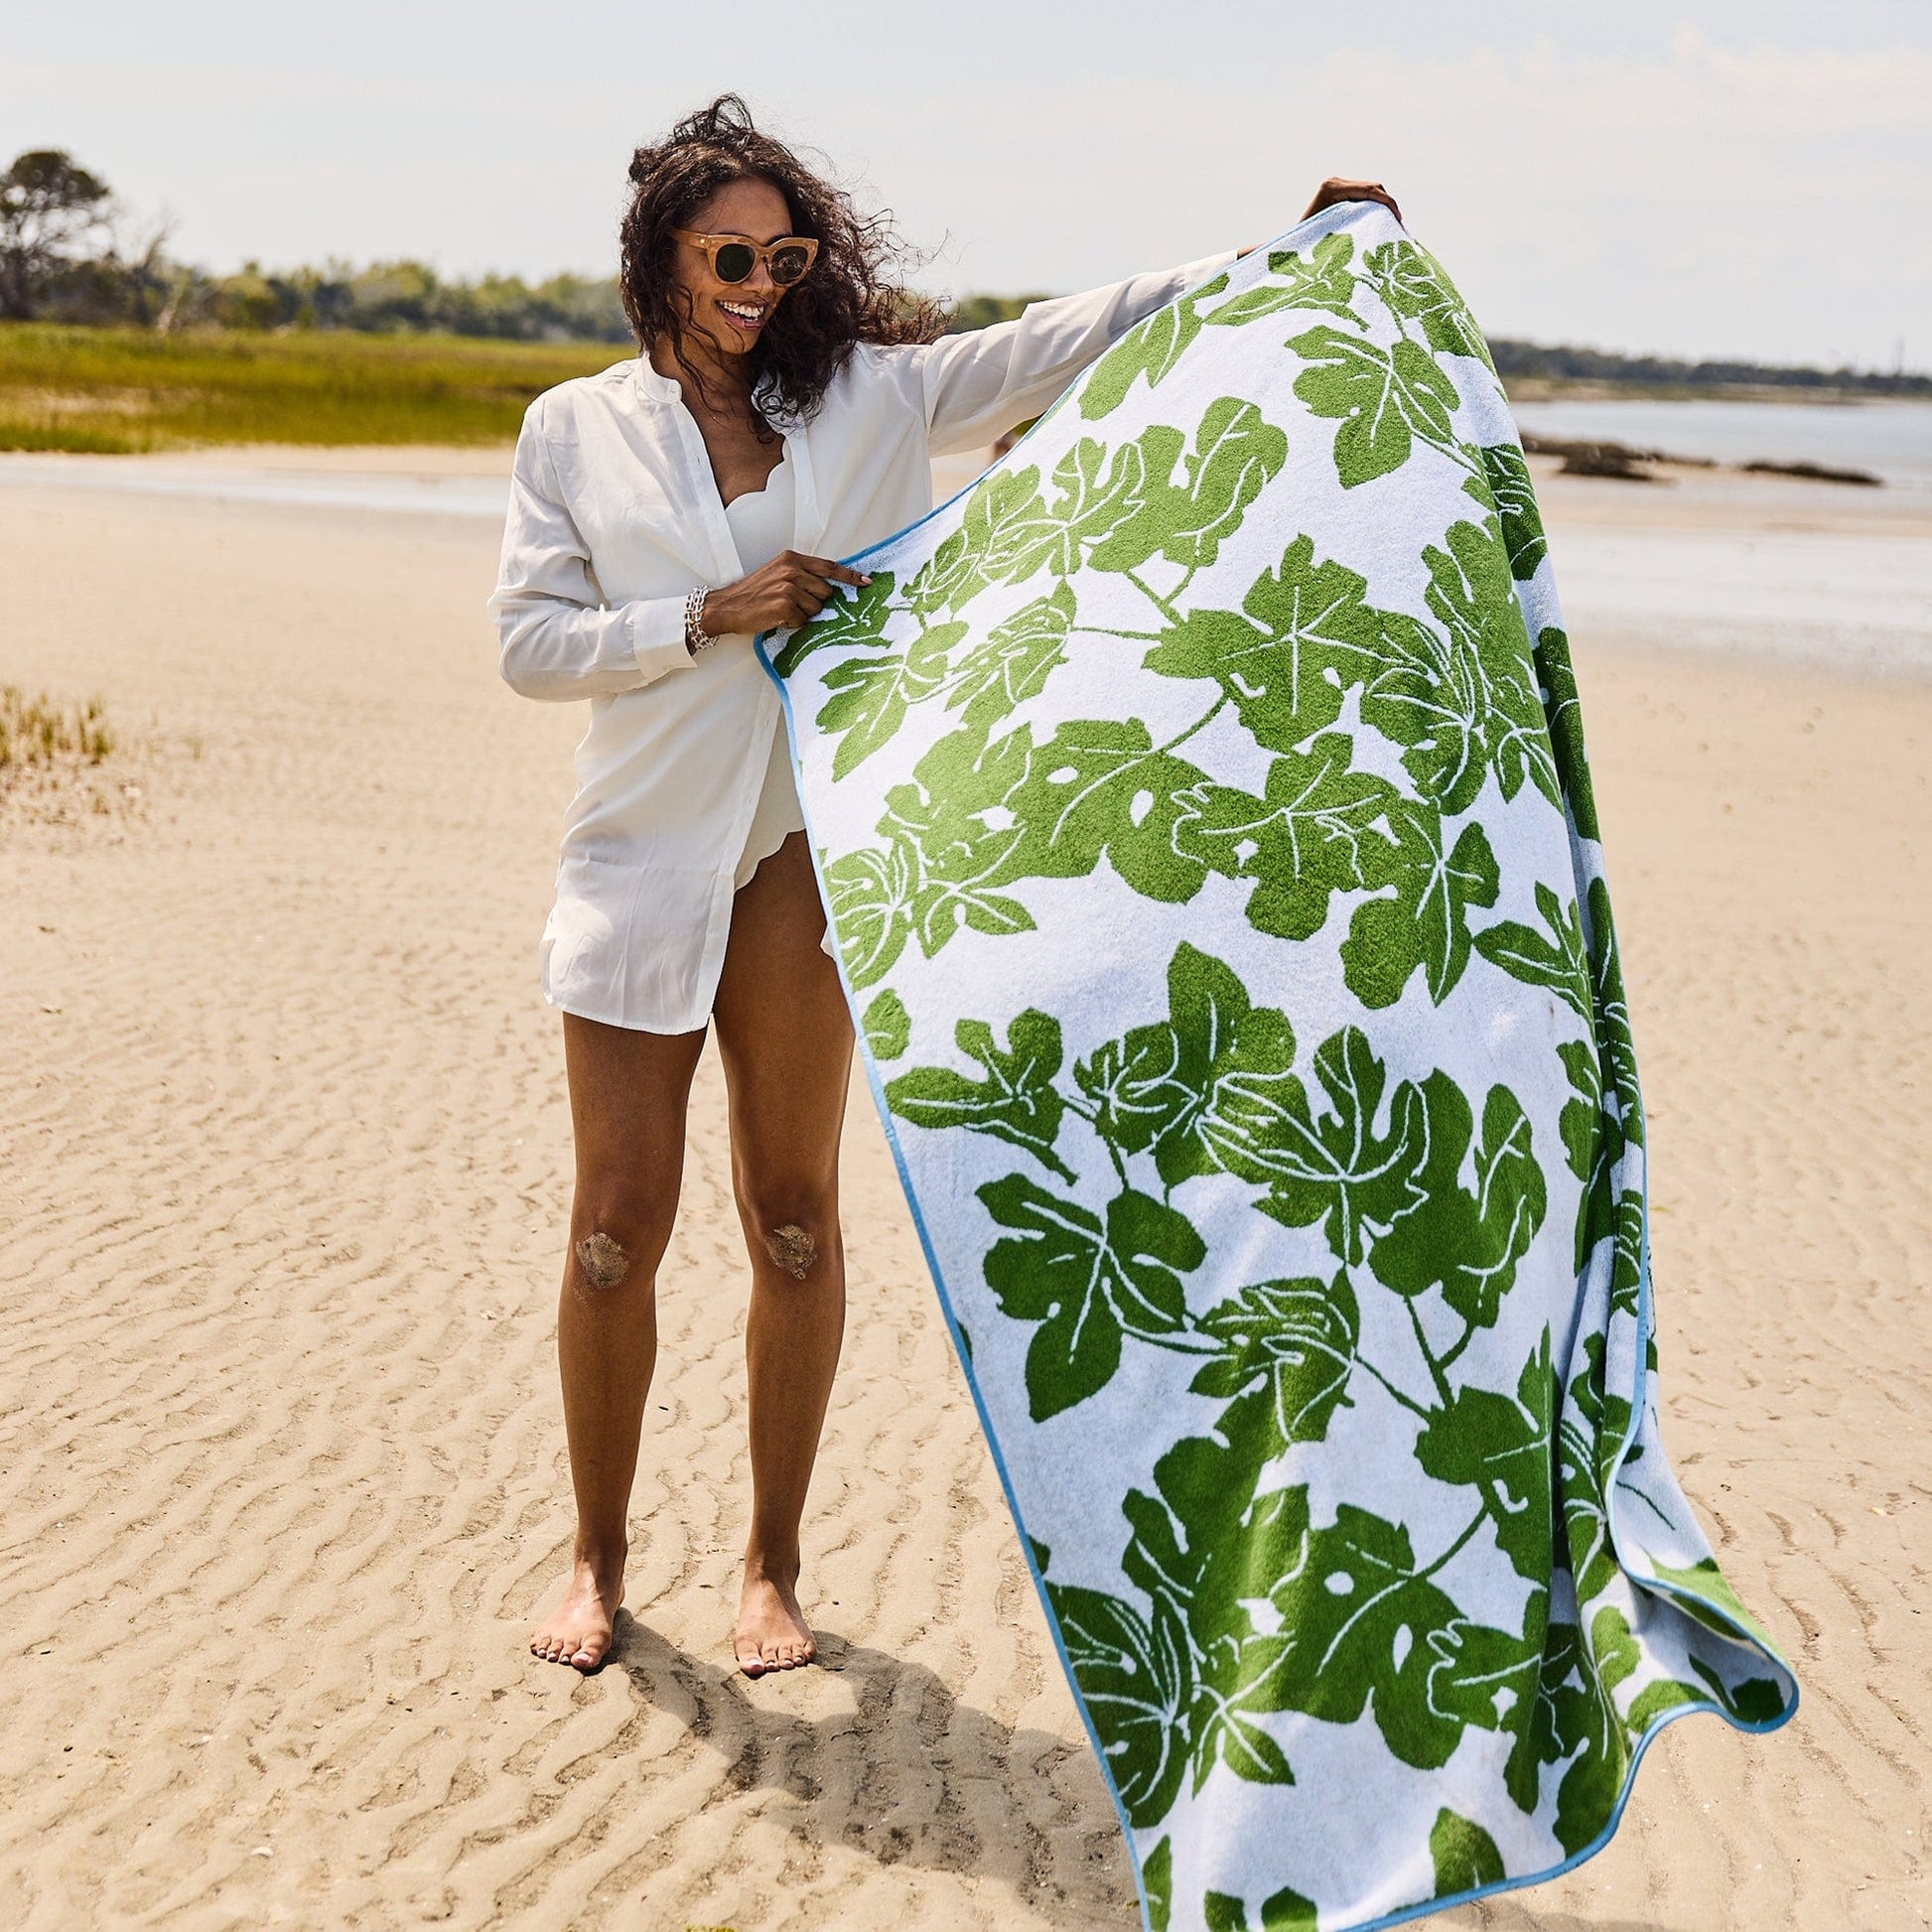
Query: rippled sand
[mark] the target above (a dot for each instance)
(283, 1163)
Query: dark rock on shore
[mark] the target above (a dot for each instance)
(1616, 459)
(1815, 473)
(1629, 465)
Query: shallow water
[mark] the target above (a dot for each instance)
(349, 490)
(1893, 440)
(1855, 601)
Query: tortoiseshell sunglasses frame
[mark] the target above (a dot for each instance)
(710, 244)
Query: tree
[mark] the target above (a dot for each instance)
(47, 207)
(137, 245)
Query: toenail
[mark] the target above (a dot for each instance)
(604, 1262)
(792, 1249)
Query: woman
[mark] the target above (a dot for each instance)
(785, 410)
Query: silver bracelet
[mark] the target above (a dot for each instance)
(696, 638)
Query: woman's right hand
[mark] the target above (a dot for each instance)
(1335, 191)
(787, 591)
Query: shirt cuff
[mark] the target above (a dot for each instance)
(656, 631)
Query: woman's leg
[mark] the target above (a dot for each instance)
(785, 1038)
(627, 1096)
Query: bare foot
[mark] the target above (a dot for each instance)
(770, 1633)
(578, 1630)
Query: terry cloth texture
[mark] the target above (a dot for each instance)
(1202, 805)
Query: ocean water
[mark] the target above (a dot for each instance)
(1854, 601)
(1893, 440)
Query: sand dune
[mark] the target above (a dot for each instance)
(283, 1163)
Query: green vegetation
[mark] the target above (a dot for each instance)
(382, 298)
(70, 251)
(38, 732)
(116, 391)
(983, 310)
(69, 388)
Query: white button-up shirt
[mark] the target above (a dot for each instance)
(615, 515)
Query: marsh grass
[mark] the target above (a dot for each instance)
(38, 732)
(114, 391)
(62, 766)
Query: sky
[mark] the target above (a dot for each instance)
(1745, 178)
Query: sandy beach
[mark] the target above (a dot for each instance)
(284, 1164)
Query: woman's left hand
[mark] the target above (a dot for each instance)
(1334, 190)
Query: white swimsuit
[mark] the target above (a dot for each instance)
(762, 523)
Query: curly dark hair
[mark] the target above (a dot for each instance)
(848, 298)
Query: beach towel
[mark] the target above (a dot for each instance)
(1200, 804)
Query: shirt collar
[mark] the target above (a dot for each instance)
(652, 386)
(663, 388)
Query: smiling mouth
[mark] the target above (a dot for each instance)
(744, 315)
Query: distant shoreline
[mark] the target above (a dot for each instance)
(124, 390)
(1530, 388)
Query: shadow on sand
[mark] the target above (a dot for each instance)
(905, 1773)
(1516, 1912)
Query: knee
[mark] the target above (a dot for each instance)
(602, 1261)
(793, 1248)
(617, 1242)
(796, 1228)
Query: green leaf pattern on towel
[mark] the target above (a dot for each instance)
(1340, 1211)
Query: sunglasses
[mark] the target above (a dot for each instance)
(733, 257)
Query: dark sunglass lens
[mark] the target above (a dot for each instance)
(788, 265)
(732, 262)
